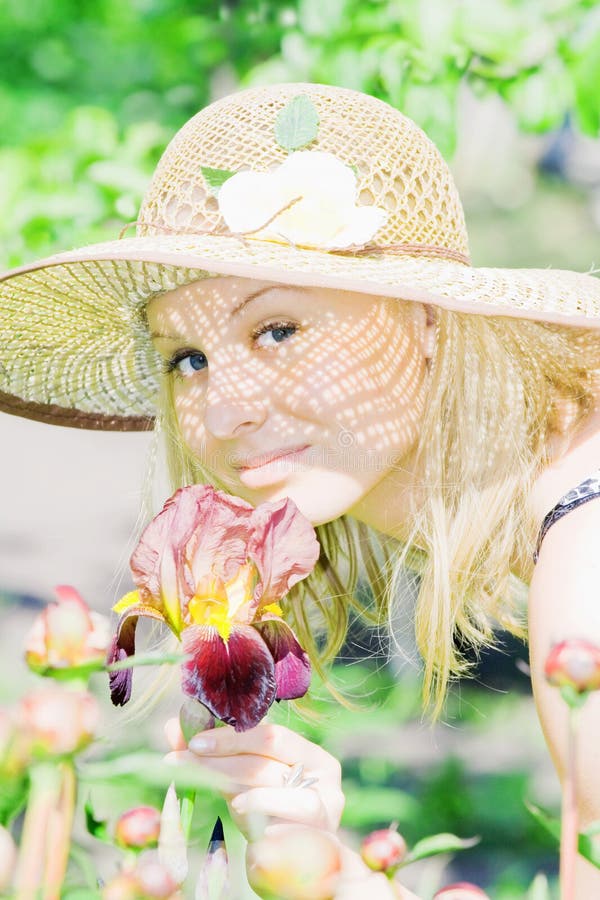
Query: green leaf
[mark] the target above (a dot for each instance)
(573, 698)
(146, 659)
(589, 843)
(151, 769)
(83, 672)
(549, 822)
(70, 673)
(438, 843)
(13, 797)
(187, 812)
(96, 827)
(215, 178)
(297, 123)
(589, 839)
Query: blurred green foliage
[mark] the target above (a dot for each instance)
(92, 91)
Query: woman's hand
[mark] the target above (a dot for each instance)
(259, 762)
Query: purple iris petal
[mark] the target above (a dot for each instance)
(235, 679)
(123, 646)
(292, 666)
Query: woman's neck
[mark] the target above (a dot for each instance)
(387, 507)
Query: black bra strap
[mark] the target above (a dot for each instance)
(587, 490)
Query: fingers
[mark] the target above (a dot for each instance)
(273, 741)
(244, 770)
(298, 805)
(174, 734)
(304, 806)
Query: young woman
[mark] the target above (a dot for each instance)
(300, 309)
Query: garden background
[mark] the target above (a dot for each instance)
(90, 93)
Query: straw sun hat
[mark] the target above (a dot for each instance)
(297, 183)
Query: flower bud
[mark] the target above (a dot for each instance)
(295, 863)
(194, 717)
(172, 846)
(58, 721)
(8, 860)
(156, 881)
(382, 850)
(66, 634)
(138, 828)
(123, 887)
(148, 881)
(574, 663)
(461, 890)
(213, 878)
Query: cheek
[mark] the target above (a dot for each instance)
(189, 401)
(360, 382)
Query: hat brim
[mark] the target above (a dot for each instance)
(74, 349)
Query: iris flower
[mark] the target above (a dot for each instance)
(213, 568)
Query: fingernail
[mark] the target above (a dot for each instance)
(201, 744)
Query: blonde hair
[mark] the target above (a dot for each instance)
(498, 389)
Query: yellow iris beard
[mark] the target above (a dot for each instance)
(273, 608)
(216, 613)
(130, 599)
(211, 612)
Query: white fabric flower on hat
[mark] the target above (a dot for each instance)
(315, 196)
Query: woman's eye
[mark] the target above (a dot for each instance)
(187, 363)
(274, 333)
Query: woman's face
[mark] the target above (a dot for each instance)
(262, 369)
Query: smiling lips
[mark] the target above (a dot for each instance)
(255, 462)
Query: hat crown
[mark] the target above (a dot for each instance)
(398, 168)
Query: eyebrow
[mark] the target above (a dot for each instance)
(237, 309)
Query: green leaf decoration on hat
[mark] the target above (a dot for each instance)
(297, 123)
(215, 178)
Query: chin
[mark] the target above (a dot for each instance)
(320, 496)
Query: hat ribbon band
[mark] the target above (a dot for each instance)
(400, 249)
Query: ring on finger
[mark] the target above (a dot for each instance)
(295, 777)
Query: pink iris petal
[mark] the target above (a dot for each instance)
(283, 546)
(198, 530)
(222, 532)
(292, 666)
(122, 647)
(235, 680)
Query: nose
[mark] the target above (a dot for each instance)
(228, 418)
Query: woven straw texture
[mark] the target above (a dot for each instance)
(398, 168)
(74, 348)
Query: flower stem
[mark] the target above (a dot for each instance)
(59, 835)
(569, 832)
(45, 779)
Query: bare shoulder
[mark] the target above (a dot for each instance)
(581, 460)
(566, 578)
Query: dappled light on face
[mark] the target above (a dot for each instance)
(330, 382)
